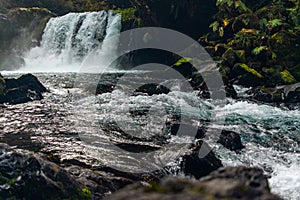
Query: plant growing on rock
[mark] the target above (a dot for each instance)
(257, 42)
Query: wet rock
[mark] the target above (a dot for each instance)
(197, 82)
(103, 88)
(27, 176)
(231, 140)
(225, 183)
(230, 91)
(201, 161)
(288, 94)
(153, 89)
(21, 90)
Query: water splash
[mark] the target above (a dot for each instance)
(75, 40)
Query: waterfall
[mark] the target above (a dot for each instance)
(76, 42)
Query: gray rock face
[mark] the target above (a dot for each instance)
(225, 183)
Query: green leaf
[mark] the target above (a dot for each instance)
(274, 56)
(181, 61)
(221, 31)
(214, 26)
(222, 2)
(274, 23)
(258, 50)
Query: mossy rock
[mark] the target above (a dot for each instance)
(246, 76)
(287, 77)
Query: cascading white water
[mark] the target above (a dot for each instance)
(76, 42)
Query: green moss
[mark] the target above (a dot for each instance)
(182, 61)
(126, 14)
(85, 193)
(287, 77)
(251, 70)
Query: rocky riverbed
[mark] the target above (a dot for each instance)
(53, 142)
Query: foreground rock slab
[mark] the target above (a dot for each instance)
(225, 183)
(28, 176)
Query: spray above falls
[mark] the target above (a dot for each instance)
(76, 41)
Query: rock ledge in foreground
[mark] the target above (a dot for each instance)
(226, 183)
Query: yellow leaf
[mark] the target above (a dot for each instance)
(225, 22)
(253, 31)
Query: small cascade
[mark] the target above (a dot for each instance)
(76, 42)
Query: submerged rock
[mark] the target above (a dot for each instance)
(231, 140)
(153, 89)
(21, 90)
(199, 163)
(225, 183)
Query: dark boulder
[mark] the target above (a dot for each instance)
(231, 140)
(104, 88)
(199, 163)
(21, 90)
(153, 89)
(226, 183)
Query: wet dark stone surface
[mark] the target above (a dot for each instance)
(231, 140)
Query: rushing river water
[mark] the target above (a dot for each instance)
(73, 124)
(129, 131)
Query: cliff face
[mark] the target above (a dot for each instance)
(189, 17)
(23, 28)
